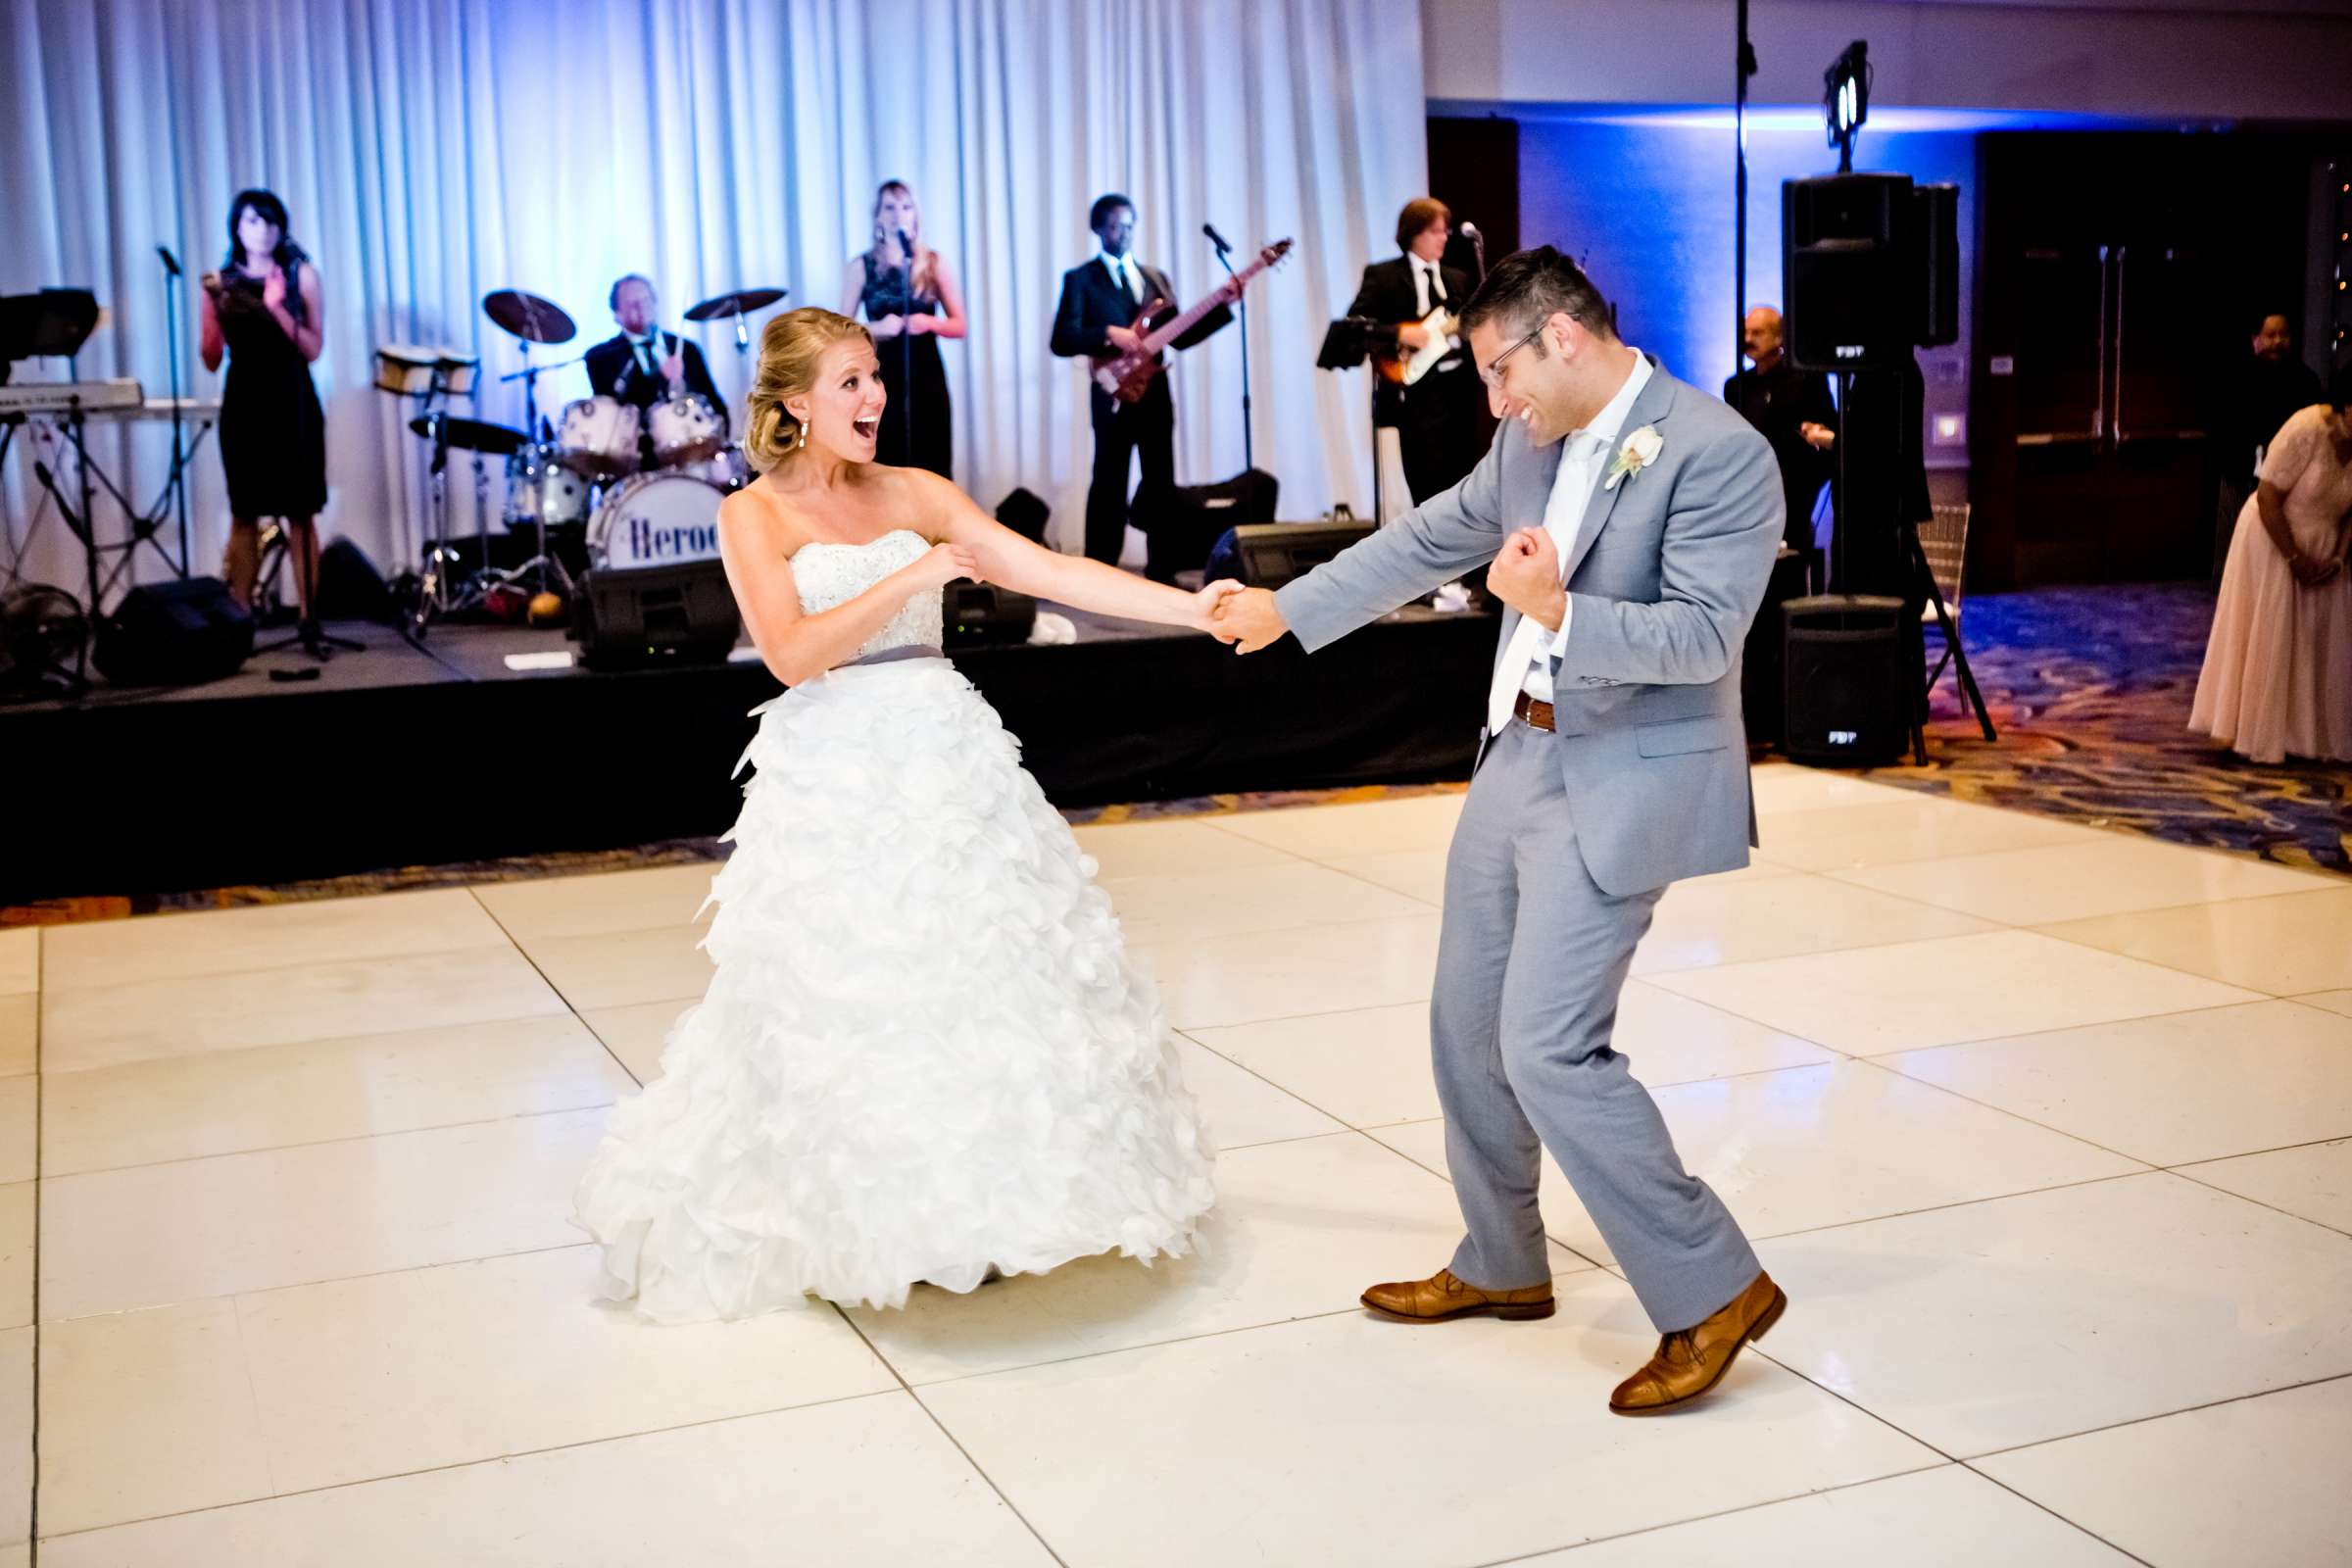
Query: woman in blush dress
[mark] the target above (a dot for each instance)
(2278, 675)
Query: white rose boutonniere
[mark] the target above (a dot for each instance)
(1639, 451)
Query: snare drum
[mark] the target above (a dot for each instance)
(413, 372)
(685, 429)
(599, 437)
(652, 519)
(540, 489)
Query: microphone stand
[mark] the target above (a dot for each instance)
(906, 350)
(178, 479)
(1242, 311)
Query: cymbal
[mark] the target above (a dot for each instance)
(745, 299)
(529, 317)
(474, 435)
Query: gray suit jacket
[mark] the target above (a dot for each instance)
(1665, 576)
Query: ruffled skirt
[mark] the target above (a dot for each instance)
(924, 1052)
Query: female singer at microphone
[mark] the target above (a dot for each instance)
(910, 302)
(263, 309)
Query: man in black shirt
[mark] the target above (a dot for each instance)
(1792, 409)
(2267, 387)
(642, 365)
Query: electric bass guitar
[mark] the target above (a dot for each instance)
(1129, 376)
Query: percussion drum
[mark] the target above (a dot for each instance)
(598, 437)
(540, 489)
(411, 371)
(685, 429)
(653, 520)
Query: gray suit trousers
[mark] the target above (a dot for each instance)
(1530, 963)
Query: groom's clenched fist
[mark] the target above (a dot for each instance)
(1526, 576)
(1250, 619)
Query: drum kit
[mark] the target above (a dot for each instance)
(583, 488)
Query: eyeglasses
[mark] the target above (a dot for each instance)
(1492, 374)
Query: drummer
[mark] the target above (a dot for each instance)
(642, 365)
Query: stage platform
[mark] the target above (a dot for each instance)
(421, 755)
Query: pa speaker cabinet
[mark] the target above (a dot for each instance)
(1848, 275)
(1848, 680)
(651, 614)
(170, 633)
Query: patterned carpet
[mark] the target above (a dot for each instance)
(2090, 690)
(2089, 687)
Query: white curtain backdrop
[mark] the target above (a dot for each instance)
(430, 151)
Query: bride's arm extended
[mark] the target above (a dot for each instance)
(797, 647)
(1005, 557)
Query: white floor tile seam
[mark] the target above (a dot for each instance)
(1852, 877)
(1751, 1507)
(489, 1459)
(418, 1131)
(255, 1292)
(1254, 933)
(954, 1442)
(1974, 1460)
(1287, 1093)
(241, 969)
(2188, 1173)
(1655, 975)
(2076, 1525)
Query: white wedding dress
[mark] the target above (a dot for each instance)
(924, 1052)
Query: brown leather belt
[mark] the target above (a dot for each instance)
(1531, 712)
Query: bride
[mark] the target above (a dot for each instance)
(924, 1054)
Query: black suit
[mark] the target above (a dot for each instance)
(615, 371)
(1777, 402)
(1437, 417)
(1092, 301)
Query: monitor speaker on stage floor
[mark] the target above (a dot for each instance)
(173, 633)
(350, 588)
(1025, 513)
(1199, 515)
(1270, 555)
(978, 613)
(652, 615)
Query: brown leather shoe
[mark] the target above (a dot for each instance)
(1691, 1361)
(1441, 1296)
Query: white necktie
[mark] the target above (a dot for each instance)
(1510, 671)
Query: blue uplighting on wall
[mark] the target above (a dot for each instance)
(1643, 198)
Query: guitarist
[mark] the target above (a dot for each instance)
(1100, 303)
(1437, 417)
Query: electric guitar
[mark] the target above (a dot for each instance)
(1411, 365)
(1129, 376)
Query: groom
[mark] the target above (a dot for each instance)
(1630, 521)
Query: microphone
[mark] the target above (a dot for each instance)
(171, 265)
(907, 248)
(1216, 239)
(1466, 227)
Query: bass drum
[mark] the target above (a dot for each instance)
(540, 489)
(654, 519)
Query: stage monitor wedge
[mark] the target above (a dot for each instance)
(1271, 554)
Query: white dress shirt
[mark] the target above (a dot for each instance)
(1428, 285)
(1124, 269)
(1526, 665)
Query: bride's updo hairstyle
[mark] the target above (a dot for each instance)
(789, 351)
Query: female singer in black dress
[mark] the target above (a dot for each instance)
(907, 309)
(263, 309)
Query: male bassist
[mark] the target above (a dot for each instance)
(1104, 303)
